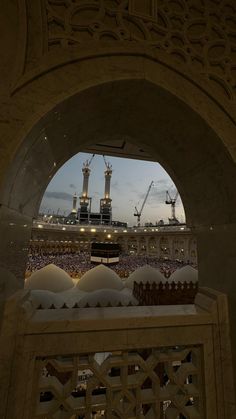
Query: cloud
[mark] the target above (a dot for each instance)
(129, 184)
(58, 195)
(163, 181)
(157, 194)
(115, 186)
(141, 195)
(135, 192)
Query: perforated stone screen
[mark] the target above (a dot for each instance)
(163, 383)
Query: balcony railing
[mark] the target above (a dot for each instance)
(160, 362)
(165, 293)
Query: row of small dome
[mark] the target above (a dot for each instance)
(54, 279)
(78, 299)
(53, 287)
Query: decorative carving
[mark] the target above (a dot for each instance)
(136, 384)
(199, 35)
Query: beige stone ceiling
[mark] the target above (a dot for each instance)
(119, 148)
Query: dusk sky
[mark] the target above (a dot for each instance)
(129, 184)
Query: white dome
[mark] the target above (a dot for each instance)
(51, 278)
(185, 274)
(45, 299)
(104, 297)
(99, 277)
(145, 274)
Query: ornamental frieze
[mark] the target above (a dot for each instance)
(195, 35)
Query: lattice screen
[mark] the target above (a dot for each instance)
(163, 383)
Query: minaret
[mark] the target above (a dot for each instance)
(74, 210)
(108, 173)
(86, 172)
(72, 217)
(84, 198)
(105, 203)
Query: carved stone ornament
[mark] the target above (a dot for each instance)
(123, 385)
(197, 35)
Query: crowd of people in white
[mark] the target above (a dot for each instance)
(76, 264)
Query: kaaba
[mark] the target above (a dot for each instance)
(105, 252)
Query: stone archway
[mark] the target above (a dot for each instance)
(62, 99)
(142, 113)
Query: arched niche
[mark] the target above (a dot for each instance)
(148, 116)
(133, 94)
(141, 113)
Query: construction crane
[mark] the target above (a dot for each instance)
(107, 164)
(172, 201)
(87, 163)
(138, 213)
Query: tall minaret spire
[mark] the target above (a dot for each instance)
(108, 173)
(84, 198)
(105, 203)
(86, 173)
